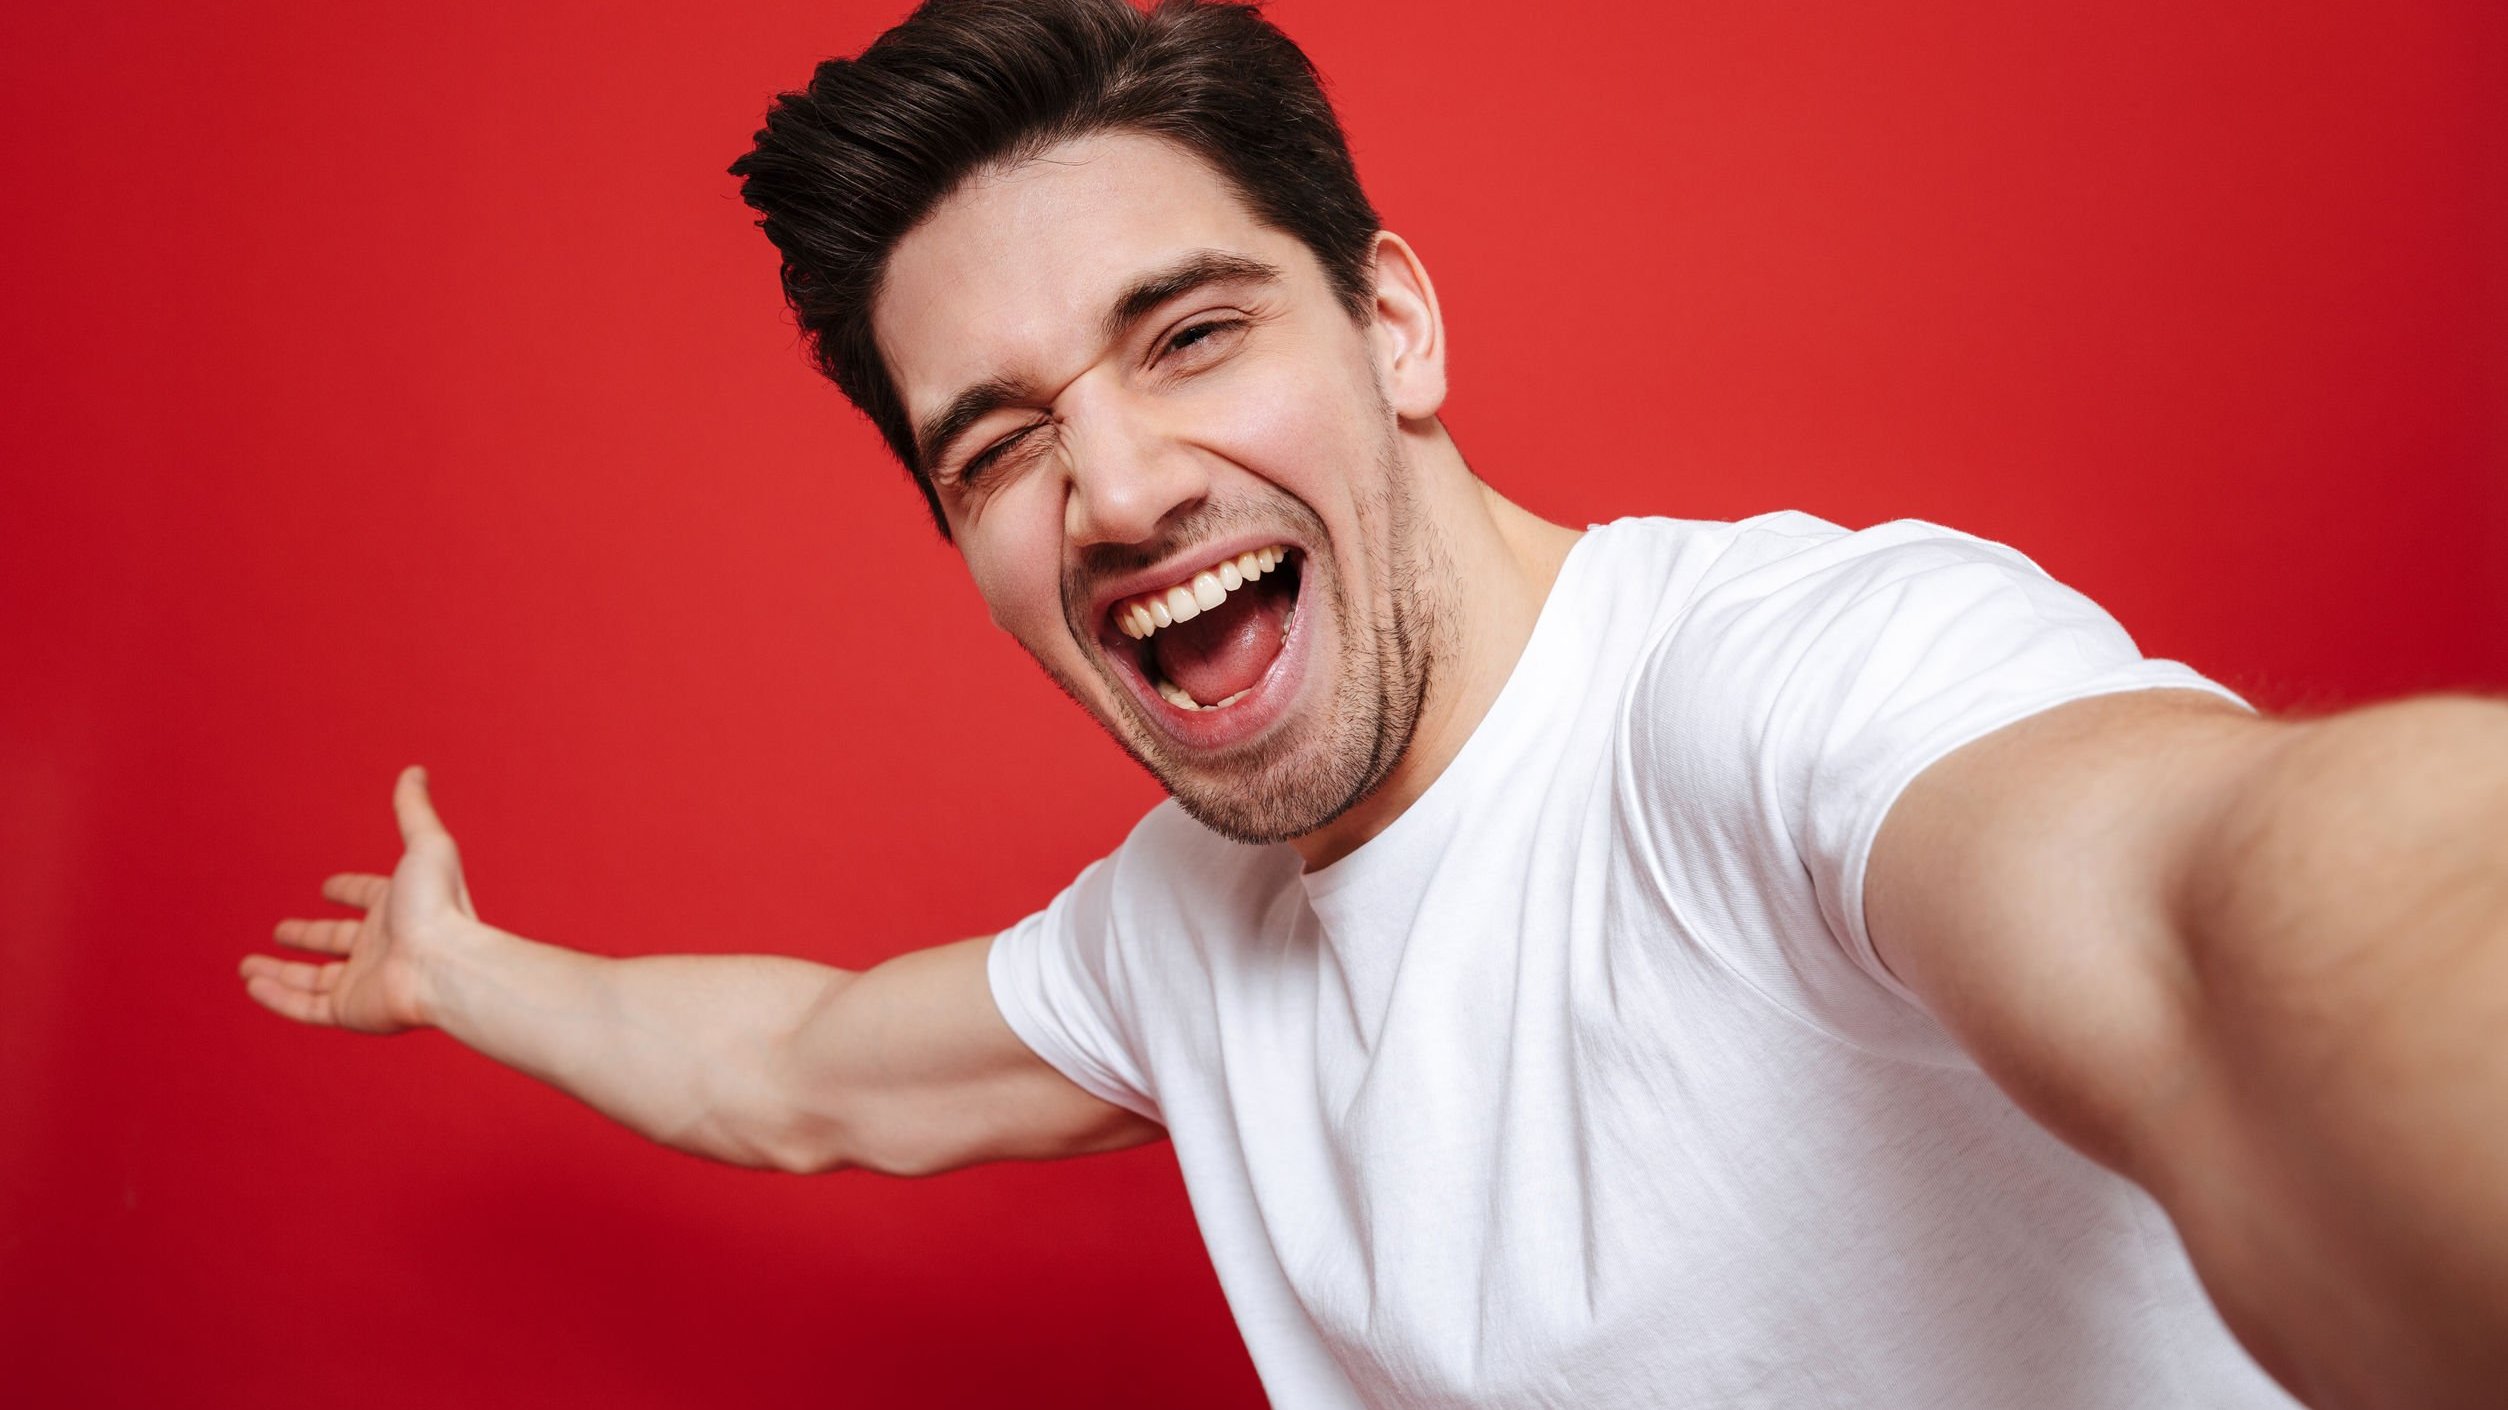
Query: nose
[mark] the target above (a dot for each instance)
(1128, 473)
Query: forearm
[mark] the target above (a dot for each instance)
(2340, 1167)
(687, 1050)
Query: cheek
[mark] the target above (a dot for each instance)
(1294, 421)
(1015, 559)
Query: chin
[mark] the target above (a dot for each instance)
(1317, 765)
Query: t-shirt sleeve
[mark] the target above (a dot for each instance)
(1808, 686)
(1059, 984)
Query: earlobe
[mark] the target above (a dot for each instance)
(1410, 332)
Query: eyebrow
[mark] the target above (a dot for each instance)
(1139, 300)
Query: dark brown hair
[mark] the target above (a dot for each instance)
(846, 167)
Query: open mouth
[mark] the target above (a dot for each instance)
(1206, 642)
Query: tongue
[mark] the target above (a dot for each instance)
(1227, 648)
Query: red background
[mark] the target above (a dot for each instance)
(393, 382)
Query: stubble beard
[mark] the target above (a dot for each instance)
(1304, 776)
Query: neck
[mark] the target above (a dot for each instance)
(1500, 563)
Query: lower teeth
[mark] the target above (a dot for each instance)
(1176, 695)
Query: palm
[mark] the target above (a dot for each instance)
(373, 984)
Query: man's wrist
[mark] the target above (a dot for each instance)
(446, 969)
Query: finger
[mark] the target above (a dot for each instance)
(356, 888)
(295, 974)
(288, 1001)
(415, 809)
(330, 937)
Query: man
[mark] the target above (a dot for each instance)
(1677, 963)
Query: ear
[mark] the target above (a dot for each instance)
(1409, 333)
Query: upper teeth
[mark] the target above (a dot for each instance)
(1138, 617)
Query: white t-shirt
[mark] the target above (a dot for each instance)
(1580, 1085)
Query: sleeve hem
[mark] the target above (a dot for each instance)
(1867, 829)
(1018, 1011)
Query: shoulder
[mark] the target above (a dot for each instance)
(1176, 892)
(1802, 613)
(1168, 870)
(1817, 671)
(1753, 585)
(1167, 851)
(1763, 619)
(1111, 980)
(1791, 563)
(1748, 681)
(1815, 657)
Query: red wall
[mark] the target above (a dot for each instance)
(392, 382)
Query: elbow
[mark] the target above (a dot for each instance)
(754, 1118)
(888, 1135)
(897, 1148)
(826, 1159)
(818, 1141)
(802, 1160)
(908, 1167)
(800, 1143)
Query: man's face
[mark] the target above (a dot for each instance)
(1166, 453)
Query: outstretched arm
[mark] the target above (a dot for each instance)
(906, 1067)
(2261, 968)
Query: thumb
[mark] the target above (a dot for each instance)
(416, 813)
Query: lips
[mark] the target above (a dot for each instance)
(1140, 616)
(1209, 649)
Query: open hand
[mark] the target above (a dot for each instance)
(378, 983)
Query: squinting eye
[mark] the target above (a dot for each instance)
(1199, 332)
(984, 459)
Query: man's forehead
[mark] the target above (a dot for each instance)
(1017, 265)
